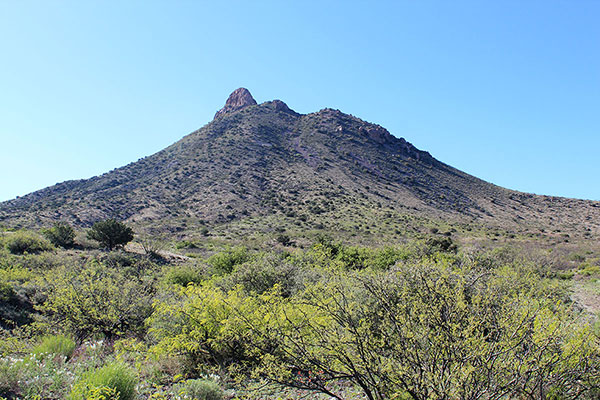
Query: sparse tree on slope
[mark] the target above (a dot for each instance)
(61, 234)
(111, 233)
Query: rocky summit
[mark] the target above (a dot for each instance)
(237, 100)
(266, 167)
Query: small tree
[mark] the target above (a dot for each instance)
(111, 233)
(61, 234)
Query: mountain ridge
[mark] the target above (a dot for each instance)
(263, 160)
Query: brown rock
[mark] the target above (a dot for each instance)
(237, 100)
(281, 106)
(377, 133)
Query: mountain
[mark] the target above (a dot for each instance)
(266, 167)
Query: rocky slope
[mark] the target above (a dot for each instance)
(321, 170)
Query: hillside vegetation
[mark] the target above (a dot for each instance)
(431, 318)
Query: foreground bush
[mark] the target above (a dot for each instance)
(97, 300)
(431, 330)
(113, 381)
(56, 345)
(26, 242)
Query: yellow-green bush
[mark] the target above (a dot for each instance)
(430, 329)
(111, 382)
(184, 275)
(97, 300)
(225, 261)
(26, 242)
(55, 345)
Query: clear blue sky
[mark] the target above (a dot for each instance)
(508, 91)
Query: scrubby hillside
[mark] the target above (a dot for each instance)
(261, 165)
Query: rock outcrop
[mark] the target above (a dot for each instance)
(237, 100)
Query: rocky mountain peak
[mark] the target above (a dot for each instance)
(237, 100)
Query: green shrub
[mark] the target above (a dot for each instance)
(97, 300)
(224, 262)
(61, 235)
(111, 233)
(443, 244)
(184, 275)
(353, 257)
(577, 257)
(26, 242)
(185, 244)
(103, 383)
(565, 275)
(103, 393)
(15, 309)
(385, 258)
(56, 344)
(260, 275)
(200, 389)
(6, 292)
(117, 259)
(588, 269)
(284, 240)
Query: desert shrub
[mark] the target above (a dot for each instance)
(587, 269)
(326, 245)
(15, 309)
(353, 257)
(441, 243)
(12, 342)
(327, 252)
(184, 275)
(106, 382)
(117, 259)
(111, 233)
(576, 257)
(387, 257)
(97, 300)
(565, 275)
(225, 261)
(26, 242)
(185, 244)
(475, 331)
(284, 240)
(6, 292)
(200, 389)
(152, 245)
(36, 262)
(55, 345)
(261, 274)
(202, 325)
(61, 235)
(103, 393)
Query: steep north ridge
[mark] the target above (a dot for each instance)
(265, 160)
